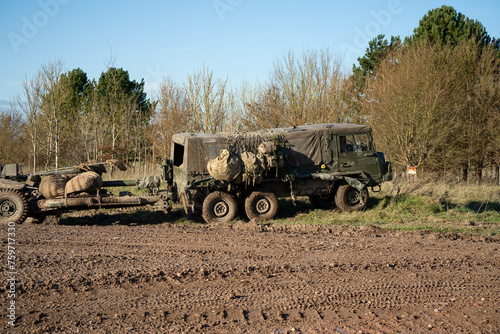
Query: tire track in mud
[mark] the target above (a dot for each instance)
(218, 279)
(201, 299)
(339, 306)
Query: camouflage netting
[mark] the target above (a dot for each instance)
(250, 141)
(89, 182)
(251, 155)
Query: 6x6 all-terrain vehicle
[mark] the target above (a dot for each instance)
(217, 174)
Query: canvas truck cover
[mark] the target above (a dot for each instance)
(309, 144)
(306, 145)
(192, 151)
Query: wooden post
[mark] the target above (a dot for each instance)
(411, 171)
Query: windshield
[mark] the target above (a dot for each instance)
(355, 143)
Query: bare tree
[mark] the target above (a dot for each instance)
(11, 137)
(171, 115)
(207, 100)
(29, 103)
(89, 125)
(53, 96)
(476, 140)
(234, 113)
(412, 104)
(266, 110)
(311, 87)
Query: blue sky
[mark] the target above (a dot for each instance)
(236, 38)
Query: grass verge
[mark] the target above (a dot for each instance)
(441, 208)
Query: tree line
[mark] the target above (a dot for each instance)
(432, 99)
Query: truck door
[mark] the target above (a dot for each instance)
(332, 145)
(357, 153)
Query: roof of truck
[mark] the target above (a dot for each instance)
(336, 128)
(182, 137)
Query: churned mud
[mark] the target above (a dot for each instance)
(249, 278)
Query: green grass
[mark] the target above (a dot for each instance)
(437, 207)
(433, 206)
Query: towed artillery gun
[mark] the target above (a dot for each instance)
(218, 175)
(46, 193)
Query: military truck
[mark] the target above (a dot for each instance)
(218, 175)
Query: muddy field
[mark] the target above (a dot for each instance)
(112, 277)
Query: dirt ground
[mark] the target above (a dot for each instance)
(101, 275)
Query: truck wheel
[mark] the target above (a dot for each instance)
(261, 204)
(219, 207)
(323, 202)
(349, 199)
(13, 206)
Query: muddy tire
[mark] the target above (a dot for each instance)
(219, 207)
(13, 206)
(323, 202)
(262, 205)
(350, 199)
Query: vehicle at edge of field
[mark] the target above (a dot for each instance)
(217, 174)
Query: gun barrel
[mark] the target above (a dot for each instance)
(120, 183)
(95, 202)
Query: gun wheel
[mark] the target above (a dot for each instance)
(350, 199)
(219, 207)
(13, 206)
(261, 204)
